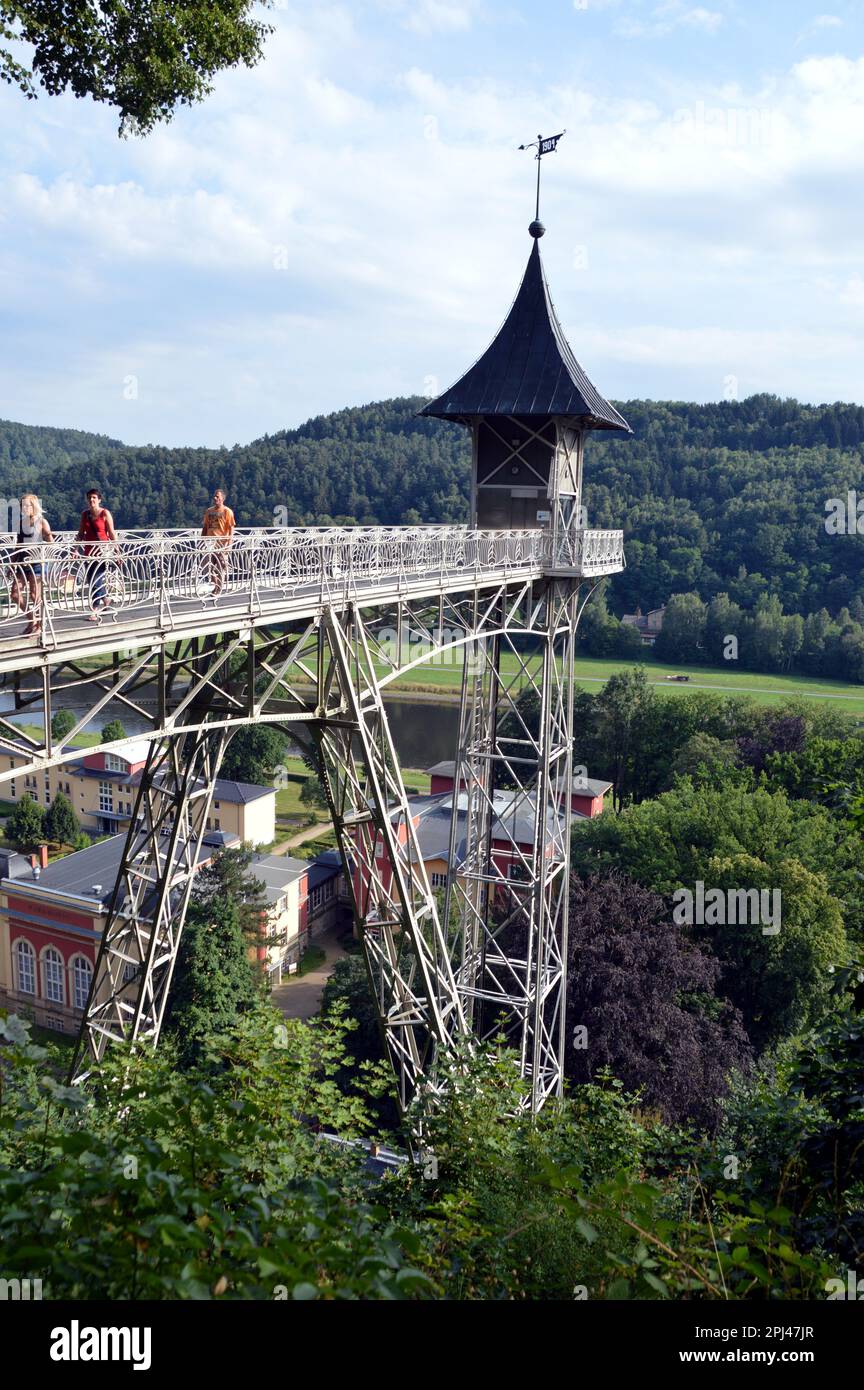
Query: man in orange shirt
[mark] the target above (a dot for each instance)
(219, 525)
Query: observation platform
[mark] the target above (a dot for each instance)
(163, 585)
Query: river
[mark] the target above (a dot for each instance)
(423, 733)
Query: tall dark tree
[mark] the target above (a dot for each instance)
(349, 985)
(682, 635)
(644, 996)
(214, 979)
(622, 707)
(231, 876)
(782, 733)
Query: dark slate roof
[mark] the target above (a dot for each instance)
(224, 789)
(276, 872)
(529, 368)
(78, 873)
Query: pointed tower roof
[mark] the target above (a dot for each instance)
(529, 368)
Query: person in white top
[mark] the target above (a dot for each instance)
(33, 530)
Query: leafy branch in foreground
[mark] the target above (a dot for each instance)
(142, 59)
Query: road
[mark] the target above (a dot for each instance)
(300, 995)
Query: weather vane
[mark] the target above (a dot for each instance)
(542, 147)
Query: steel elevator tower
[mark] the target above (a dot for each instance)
(528, 406)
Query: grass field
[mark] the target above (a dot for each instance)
(80, 741)
(290, 811)
(592, 673)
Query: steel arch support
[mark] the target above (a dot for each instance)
(404, 941)
(139, 945)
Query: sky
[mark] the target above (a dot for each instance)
(347, 221)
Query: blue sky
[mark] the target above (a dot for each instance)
(347, 221)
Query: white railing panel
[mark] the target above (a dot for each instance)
(173, 572)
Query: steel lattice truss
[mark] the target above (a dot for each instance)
(509, 845)
(318, 661)
(138, 950)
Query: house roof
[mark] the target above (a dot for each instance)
(513, 822)
(589, 786)
(242, 792)
(277, 871)
(529, 368)
(77, 874)
(445, 769)
(130, 752)
(224, 789)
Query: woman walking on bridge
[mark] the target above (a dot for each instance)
(33, 530)
(97, 526)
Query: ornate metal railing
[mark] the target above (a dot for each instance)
(170, 572)
(589, 553)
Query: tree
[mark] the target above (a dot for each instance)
(668, 842)
(817, 770)
(61, 822)
(733, 837)
(112, 732)
(253, 753)
(61, 724)
(775, 733)
(767, 642)
(26, 825)
(724, 619)
(621, 708)
(800, 1115)
(348, 985)
(630, 969)
(705, 757)
(780, 982)
(312, 793)
(230, 877)
(683, 631)
(214, 980)
(234, 1192)
(144, 60)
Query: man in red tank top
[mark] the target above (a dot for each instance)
(97, 525)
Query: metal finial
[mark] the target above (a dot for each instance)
(542, 147)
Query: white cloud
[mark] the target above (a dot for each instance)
(433, 16)
(722, 349)
(665, 18)
(313, 236)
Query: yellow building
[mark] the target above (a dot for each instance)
(102, 787)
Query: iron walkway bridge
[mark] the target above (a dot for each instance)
(304, 629)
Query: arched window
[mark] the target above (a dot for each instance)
(52, 970)
(82, 974)
(25, 966)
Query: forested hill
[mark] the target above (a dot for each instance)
(33, 452)
(720, 497)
